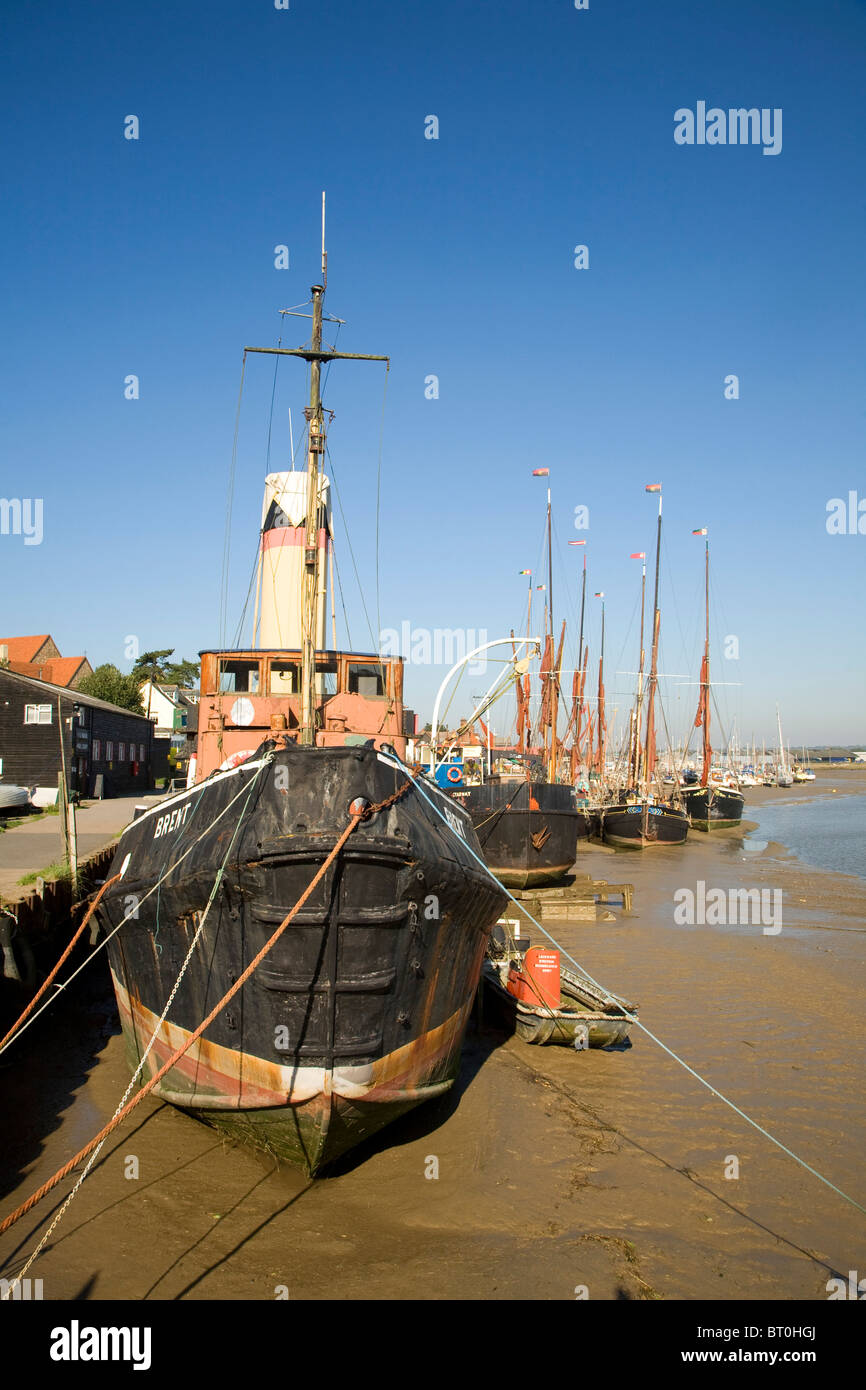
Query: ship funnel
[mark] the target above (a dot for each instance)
(283, 539)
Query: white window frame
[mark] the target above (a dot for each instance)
(36, 714)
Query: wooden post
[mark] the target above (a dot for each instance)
(72, 844)
(62, 812)
(65, 809)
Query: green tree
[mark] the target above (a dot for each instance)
(107, 683)
(156, 666)
(151, 665)
(183, 673)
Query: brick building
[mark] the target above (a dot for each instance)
(39, 658)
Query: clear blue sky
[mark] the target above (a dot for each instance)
(455, 256)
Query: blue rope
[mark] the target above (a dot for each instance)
(634, 1019)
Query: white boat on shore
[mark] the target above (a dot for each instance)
(13, 798)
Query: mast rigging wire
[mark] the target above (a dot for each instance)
(224, 596)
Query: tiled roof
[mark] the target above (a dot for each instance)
(24, 648)
(60, 670)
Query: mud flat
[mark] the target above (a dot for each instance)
(556, 1169)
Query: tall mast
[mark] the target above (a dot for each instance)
(578, 717)
(599, 761)
(650, 750)
(310, 579)
(635, 750)
(526, 741)
(549, 566)
(315, 354)
(705, 674)
(550, 688)
(554, 709)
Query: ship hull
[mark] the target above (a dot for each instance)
(714, 808)
(528, 831)
(624, 826)
(357, 1013)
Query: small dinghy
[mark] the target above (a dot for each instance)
(546, 1003)
(13, 799)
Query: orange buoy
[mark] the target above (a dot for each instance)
(537, 983)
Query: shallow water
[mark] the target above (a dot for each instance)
(828, 832)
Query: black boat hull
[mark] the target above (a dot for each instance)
(628, 827)
(358, 1012)
(713, 808)
(528, 831)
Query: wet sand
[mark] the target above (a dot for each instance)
(556, 1169)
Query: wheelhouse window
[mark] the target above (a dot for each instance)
(284, 678)
(366, 680)
(326, 678)
(239, 678)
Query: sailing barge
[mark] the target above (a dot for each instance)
(527, 830)
(642, 819)
(358, 1011)
(710, 807)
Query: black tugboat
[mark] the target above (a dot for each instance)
(640, 819)
(710, 807)
(358, 1011)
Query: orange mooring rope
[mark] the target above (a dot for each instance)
(357, 817)
(39, 993)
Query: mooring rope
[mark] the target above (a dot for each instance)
(43, 987)
(359, 811)
(144, 1056)
(9, 1039)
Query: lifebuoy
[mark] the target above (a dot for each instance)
(454, 774)
(235, 759)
